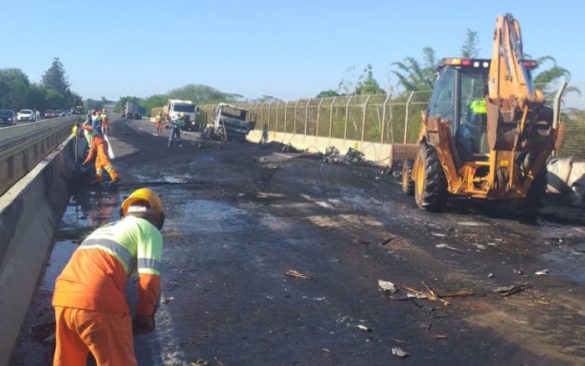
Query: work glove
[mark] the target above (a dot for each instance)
(142, 324)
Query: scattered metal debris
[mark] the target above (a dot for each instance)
(326, 350)
(165, 300)
(429, 294)
(354, 157)
(200, 362)
(386, 241)
(471, 223)
(445, 246)
(542, 272)
(399, 352)
(296, 274)
(458, 293)
(438, 235)
(512, 289)
(387, 286)
(440, 336)
(331, 155)
(490, 275)
(290, 148)
(364, 328)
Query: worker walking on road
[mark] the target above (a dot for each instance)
(105, 122)
(98, 149)
(177, 124)
(159, 122)
(91, 309)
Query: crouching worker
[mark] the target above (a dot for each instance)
(91, 310)
(98, 150)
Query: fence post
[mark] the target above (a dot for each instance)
(307, 115)
(285, 108)
(364, 111)
(346, 117)
(269, 108)
(331, 117)
(407, 107)
(384, 118)
(295, 119)
(276, 115)
(557, 104)
(318, 115)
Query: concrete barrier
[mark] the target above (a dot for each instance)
(380, 154)
(23, 146)
(30, 212)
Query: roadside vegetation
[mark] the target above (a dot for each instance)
(53, 92)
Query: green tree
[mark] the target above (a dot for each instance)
(470, 48)
(54, 78)
(414, 75)
(349, 82)
(327, 94)
(549, 78)
(367, 84)
(14, 89)
(37, 97)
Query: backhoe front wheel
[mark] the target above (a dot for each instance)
(430, 184)
(407, 182)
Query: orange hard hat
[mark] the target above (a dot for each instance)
(144, 195)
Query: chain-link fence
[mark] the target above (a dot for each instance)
(369, 118)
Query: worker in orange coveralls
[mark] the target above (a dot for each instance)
(91, 309)
(98, 149)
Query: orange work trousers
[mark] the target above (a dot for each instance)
(103, 162)
(108, 336)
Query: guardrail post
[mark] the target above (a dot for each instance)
(307, 115)
(331, 117)
(318, 115)
(364, 111)
(406, 108)
(384, 119)
(346, 117)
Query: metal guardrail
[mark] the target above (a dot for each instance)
(371, 118)
(23, 146)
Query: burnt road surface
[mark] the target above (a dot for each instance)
(240, 215)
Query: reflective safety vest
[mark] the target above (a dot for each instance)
(478, 106)
(95, 277)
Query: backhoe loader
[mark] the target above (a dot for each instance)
(486, 133)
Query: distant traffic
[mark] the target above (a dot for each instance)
(9, 117)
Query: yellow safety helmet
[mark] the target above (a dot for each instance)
(182, 114)
(145, 195)
(74, 130)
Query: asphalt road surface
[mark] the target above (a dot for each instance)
(239, 216)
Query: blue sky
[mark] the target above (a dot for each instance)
(287, 49)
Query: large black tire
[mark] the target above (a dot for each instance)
(407, 182)
(533, 200)
(430, 188)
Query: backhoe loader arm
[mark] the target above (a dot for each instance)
(508, 78)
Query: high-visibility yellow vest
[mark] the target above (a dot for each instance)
(478, 106)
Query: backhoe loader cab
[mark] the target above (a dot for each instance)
(486, 132)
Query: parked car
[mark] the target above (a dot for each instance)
(7, 117)
(58, 113)
(49, 114)
(26, 115)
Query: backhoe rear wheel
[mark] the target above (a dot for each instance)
(430, 184)
(407, 182)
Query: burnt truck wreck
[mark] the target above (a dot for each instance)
(230, 123)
